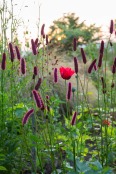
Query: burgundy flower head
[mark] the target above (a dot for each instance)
(91, 66)
(27, 116)
(18, 52)
(55, 75)
(111, 26)
(73, 121)
(66, 72)
(3, 64)
(76, 65)
(83, 56)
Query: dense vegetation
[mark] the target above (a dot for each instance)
(41, 131)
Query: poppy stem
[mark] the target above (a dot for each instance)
(66, 102)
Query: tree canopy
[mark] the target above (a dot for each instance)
(69, 26)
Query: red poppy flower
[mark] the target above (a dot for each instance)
(106, 122)
(66, 73)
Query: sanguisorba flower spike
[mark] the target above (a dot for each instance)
(12, 56)
(18, 53)
(83, 56)
(33, 47)
(3, 63)
(23, 66)
(69, 91)
(35, 70)
(91, 66)
(100, 60)
(27, 116)
(55, 75)
(38, 84)
(111, 26)
(101, 47)
(38, 100)
(76, 65)
(113, 69)
(42, 30)
(103, 85)
(47, 39)
(73, 121)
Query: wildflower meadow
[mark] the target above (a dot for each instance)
(48, 124)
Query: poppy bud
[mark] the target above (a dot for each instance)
(22, 66)
(111, 26)
(74, 44)
(100, 60)
(69, 91)
(3, 64)
(35, 70)
(102, 47)
(55, 75)
(73, 121)
(33, 47)
(18, 53)
(12, 56)
(27, 116)
(76, 65)
(91, 66)
(38, 84)
(83, 56)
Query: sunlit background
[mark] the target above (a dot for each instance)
(38, 12)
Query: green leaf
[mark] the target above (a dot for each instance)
(2, 168)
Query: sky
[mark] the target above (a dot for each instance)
(99, 12)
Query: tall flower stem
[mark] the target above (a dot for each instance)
(99, 108)
(66, 101)
(90, 116)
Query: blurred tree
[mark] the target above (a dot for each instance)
(66, 28)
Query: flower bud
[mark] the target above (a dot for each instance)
(38, 84)
(55, 75)
(18, 53)
(22, 66)
(35, 70)
(83, 56)
(111, 26)
(3, 64)
(73, 121)
(102, 47)
(91, 66)
(33, 47)
(69, 91)
(75, 65)
(12, 56)
(27, 116)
